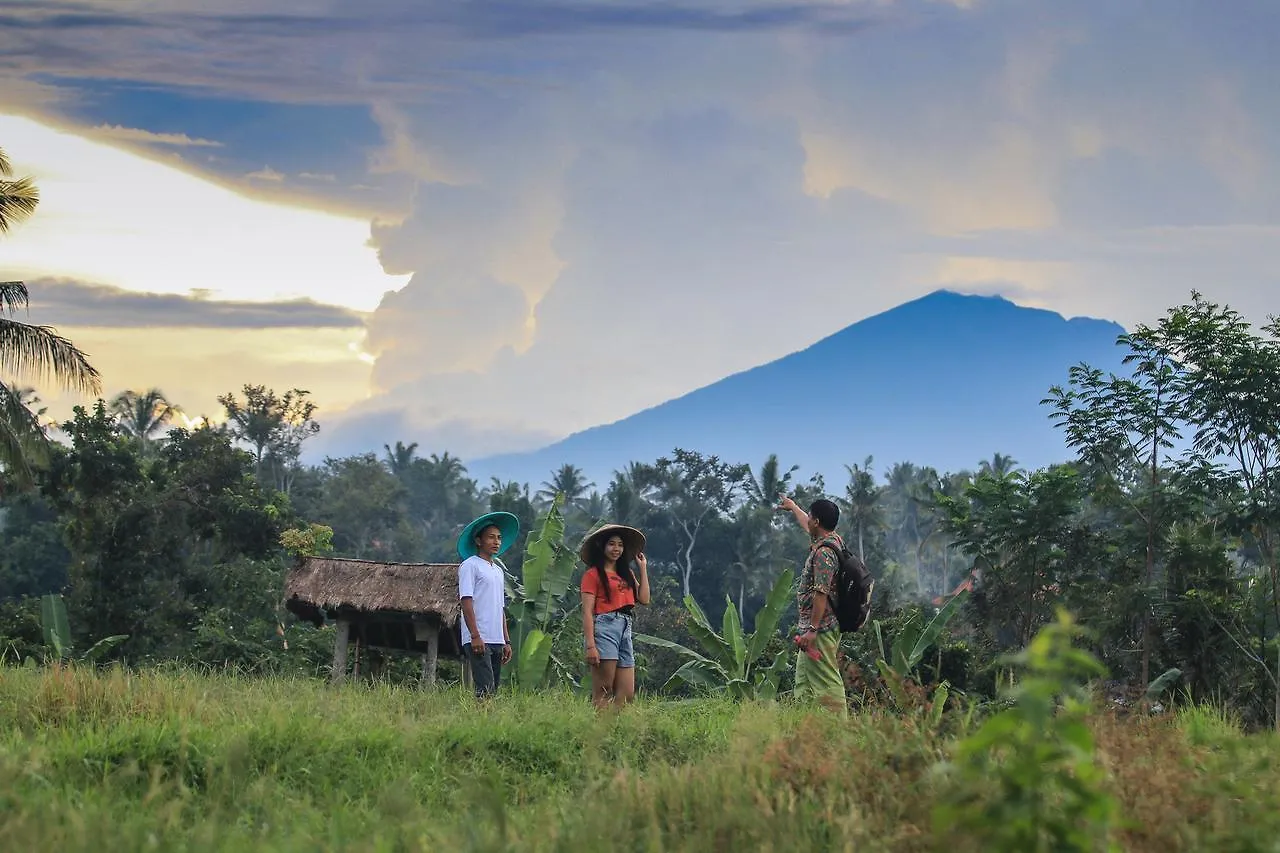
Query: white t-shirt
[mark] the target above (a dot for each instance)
(483, 582)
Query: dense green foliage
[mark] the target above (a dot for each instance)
(1160, 535)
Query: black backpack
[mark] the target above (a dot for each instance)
(852, 586)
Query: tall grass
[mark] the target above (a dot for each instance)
(184, 761)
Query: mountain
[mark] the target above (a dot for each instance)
(945, 380)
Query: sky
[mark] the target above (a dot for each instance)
(482, 225)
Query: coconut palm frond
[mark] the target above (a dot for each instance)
(18, 201)
(23, 441)
(42, 352)
(13, 297)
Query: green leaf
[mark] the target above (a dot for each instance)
(555, 582)
(540, 558)
(53, 619)
(713, 644)
(1156, 688)
(700, 673)
(905, 640)
(767, 678)
(767, 617)
(103, 646)
(936, 626)
(732, 628)
(535, 657)
(668, 644)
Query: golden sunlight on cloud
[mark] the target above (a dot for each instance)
(1035, 284)
(1000, 186)
(194, 366)
(108, 216)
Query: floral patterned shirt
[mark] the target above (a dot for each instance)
(818, 575)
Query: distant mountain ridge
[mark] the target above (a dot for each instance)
(944, 380)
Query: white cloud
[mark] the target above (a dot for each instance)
(115, 218)
(133, 134)
(266, 173)
(615, 204)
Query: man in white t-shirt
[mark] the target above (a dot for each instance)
(482, 593)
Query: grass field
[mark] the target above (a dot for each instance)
(180, 761)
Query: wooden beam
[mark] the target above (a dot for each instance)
(341, 638)
(431, 658)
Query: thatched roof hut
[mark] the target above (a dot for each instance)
(410, 607)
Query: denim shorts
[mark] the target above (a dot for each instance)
(613, 638)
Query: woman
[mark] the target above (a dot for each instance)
(610, 592)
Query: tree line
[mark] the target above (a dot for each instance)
(1159, 532)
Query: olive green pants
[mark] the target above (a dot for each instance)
(819, 680)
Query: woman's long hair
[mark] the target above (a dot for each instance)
(623, 566)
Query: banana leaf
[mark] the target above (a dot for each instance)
(535, 658)
(712, 643)
(103, 646)
(767, 617)
(700, 673)
(555, 583)
(540, 556)
(732, 628)
(669, 644)
(766, 679)
(936, 626)
(53, 620)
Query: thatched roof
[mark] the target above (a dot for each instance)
(318, 584)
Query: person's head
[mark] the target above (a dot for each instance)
(824, 517)
(488, 541)
(610, 550)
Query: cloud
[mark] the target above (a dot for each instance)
(266, 173)
(606, 205)
(133, 134)
(114, 218)
(193, 366)
(73, 303)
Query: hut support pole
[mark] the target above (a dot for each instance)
(341, 638)
(432, 655)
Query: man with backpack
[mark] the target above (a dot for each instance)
(818, 676)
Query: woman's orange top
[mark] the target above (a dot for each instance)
(620, 592)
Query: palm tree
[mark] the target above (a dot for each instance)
(568, 479)
(27, 350)
(18, 196)
(998, 465)
(766, 488)
(142, 414)
(862, 504)
(400, 460)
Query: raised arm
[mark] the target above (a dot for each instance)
(642, 594)
(801, 517)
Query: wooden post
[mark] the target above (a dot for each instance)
(429, 630)
(341, 637)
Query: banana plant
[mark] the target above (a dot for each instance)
(729, 662)
(539, 600)
(57, 632)
(913, 639)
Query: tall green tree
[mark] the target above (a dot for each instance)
(275, 426)
(1123, 428)
(862, 505)
(143, 414)
(35, 352)
(694, 490)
